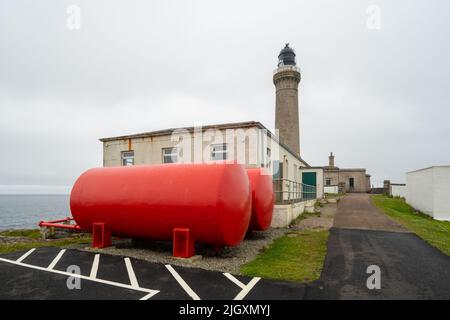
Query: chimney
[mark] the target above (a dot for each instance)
(331, 160)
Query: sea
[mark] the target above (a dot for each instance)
(26, 211)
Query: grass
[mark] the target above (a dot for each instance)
(7, 248)
(35, 240)
(297, 256)
(436, 233)
(27, 233)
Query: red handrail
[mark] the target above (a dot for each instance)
(59, 224)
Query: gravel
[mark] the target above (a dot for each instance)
(323, 221)
(228, 259)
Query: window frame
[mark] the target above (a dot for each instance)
(351, 182)
(268, 158)
(224, 151)
(124, 157)
(171, 155)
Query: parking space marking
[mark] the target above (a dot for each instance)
(233, 279)
(182, 283)
(25, 255)
(94, 269)
(241, 295)
(55, 261)
(149, 292)
(147, 296)
(133, 284)
(131, 275)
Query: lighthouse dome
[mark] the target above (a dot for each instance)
(286, 56)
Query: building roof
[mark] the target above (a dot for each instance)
(223, 126)
(428, 168)
(337, 169)
(165, 132)
(352, 169)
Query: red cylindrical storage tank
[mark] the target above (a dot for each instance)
(149, 201)
(262, 199)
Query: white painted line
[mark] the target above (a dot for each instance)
(182, 283)
(94, 269)
(148, 296)
(25, 255)
(131, 275)
(236, 281)
(150, 292)
(55, 261)
(241, 295)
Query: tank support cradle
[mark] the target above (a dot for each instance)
(101, 235)
(183, 243)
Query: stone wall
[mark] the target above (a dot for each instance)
(284, 214)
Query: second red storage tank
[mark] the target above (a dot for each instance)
(262, 199)
(149, 201)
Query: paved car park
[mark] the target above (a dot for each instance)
(48, 273)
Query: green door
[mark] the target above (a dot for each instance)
(309, 179)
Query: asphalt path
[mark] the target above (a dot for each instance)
(361, 237)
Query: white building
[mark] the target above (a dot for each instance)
(428, 190)
(398, 190)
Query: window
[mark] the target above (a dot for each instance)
(328, 181)
(277, 169)
(127, 158)
(219, 152)
(170, 155)
(268, 158)
(286, 170)
(352, 182)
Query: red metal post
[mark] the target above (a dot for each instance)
(183, 243)
(101, 235)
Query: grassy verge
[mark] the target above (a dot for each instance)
(297, 256)
(7, 248)
(33, 240)
(436, 233)
(27, 233)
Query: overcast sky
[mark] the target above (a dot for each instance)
(375, 92)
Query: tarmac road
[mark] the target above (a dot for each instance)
(362, 236)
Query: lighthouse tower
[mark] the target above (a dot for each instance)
(286, 79)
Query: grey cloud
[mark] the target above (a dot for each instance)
(377, 98)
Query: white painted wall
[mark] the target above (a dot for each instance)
(284, 214)
(398, 191)
(331, 189)
(441, 190)
(428, 190)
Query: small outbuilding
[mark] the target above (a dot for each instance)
(428, 190)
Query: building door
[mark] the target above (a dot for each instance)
(351, 183)
(309, 180)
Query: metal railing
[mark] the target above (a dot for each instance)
(288, 191)
(286, 68)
